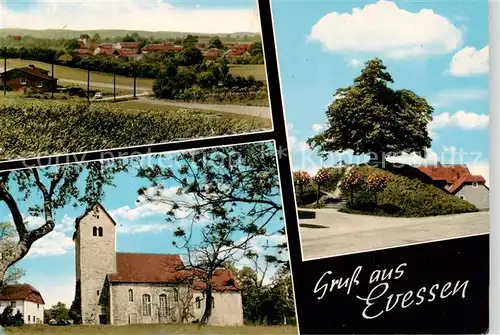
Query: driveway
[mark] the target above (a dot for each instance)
(348, 233)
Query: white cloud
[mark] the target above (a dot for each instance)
(127, 14)
(384, 28)
(470, 61)
(456, 96)
(355, 63)
(460, 119)
(52, 244)
(317, 127)
(412, 159)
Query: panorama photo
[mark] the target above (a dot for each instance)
(386, 104)
(172, 243)
(76, 80)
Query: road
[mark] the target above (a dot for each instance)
(348, 233)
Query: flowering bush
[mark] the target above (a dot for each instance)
(352, 180)
(301, 177)
(322, 176)
(376, 182)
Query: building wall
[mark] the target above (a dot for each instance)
(34, 310)
(97, 258)
(227, 309)
(129, 312)
(478, 196)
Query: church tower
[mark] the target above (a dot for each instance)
(95, 252)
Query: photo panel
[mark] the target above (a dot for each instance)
(387, 112)
(169, 242)
(76, 81)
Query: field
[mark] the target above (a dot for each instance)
(64, 72)
(32, 127)
(152, 329)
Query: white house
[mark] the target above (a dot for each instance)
(24, 298)
(122, 288)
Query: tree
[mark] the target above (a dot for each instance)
(128, 38)
(190, 41)
(321, 177)
(352, 181)
(375, 183)
(191, 56)
(72, 45)
(6, 318)
(230, 196)
(7, 245)
(256, 49)
(96, 39)
(371, 118)
(215, 42)
(53, 187)
(59, 312)
(300, 179)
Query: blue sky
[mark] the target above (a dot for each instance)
(203, 16)
(437, 49)
(50, 265)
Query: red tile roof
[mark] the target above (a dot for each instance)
(163, 268)
(83, 52)
(105, 51)
(35, 71)
(162, 47)
(454, 175)
(126, 52)
(129, 45)
(210, 53)
(21, 292)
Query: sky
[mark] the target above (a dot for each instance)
(201, 16)
(438, 49)
(141, 227)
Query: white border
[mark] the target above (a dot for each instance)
(57, 156)
(494, 166)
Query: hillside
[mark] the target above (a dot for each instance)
(408, 194)
(66, 33)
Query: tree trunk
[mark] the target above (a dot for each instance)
(317, 196)
(208, 305)
(301, 193)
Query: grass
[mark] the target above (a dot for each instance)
(408, 194)
(64, 72)
(33, 128)
(245, 70)
(151, 329)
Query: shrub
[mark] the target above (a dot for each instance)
(404, 196)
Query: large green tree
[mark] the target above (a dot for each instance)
(370, 117)
(230, 196)
(53, 188)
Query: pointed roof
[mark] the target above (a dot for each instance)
(23, 292)
(89, 209)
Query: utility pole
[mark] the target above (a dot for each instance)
(114, 86)
(88, 85)
(52, 86)
(135, 86)
(4, 77)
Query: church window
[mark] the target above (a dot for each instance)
(97, 292)
(100, 231)
(213, 302)
(94, 231)
(146, 305)
(130, 295)
(163, 304)
(29, 318)
(176, 295)
(198, 302)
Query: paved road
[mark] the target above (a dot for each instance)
(127, 96)
(236, 109)
(348, 233)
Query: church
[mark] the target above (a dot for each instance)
(120, 288)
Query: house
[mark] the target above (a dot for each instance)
(84, 52)
(121, 288)
(127, 45)
(32, 77)
(458, 180)
(238, 50)
(163, 47)
(129, 53)
(105, 49)
(24, 298)
(84, 41)
(210, 54)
